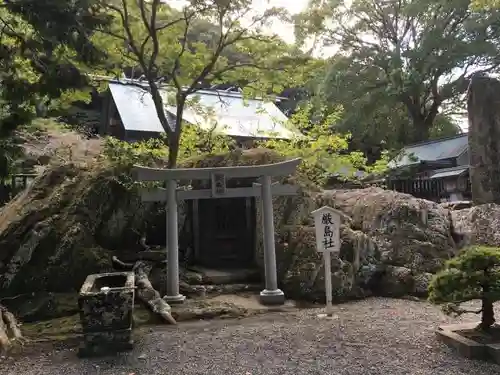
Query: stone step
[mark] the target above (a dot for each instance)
(203, 290)
(203, 276)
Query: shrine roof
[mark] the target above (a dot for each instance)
(434, 150)
(450, 172)
(224, 111)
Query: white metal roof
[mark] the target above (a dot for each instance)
(226, 112)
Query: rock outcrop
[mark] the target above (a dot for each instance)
(72, 220)
(67, 225)
(478, 225)
(390, 245)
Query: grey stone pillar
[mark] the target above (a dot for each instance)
(483, 107)
(271, 295)
(173, 295)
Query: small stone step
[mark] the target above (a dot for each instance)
(199, 275)
(203, 290)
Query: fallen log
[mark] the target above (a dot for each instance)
(145, 292)
(9, 330)
(120, 265)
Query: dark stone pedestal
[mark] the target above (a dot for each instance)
(106, 304)
(104, 343)
(466, 347)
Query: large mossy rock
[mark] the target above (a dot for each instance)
(66, 225)
(391, 243)
(410, 232)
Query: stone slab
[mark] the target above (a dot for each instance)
(466, 347)
(494, 352)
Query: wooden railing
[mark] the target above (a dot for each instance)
(16, 184)
(426, 189)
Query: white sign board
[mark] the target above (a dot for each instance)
(327, 225)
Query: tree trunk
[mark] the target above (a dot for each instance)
(173, 148)
(421, 130)
(174, 138)
(422, 118)
(488, 315)
(145, 292)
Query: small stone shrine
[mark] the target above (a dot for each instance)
(106, 303)
(218, 178)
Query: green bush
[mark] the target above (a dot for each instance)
(473, 275)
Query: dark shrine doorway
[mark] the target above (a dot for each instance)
(225, 233)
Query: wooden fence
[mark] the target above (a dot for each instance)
(16, 184)
(431, 190)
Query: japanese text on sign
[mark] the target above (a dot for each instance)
(327, 227)
(328, 231)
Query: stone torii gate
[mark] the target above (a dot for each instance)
(218, 176)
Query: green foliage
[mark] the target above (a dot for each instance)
(377, 120)
(196, 142)
(485, 4)
(9, 153)
(154, 152)
(414, 59)
(45, 52)
(127, 154)
(473, 274)
(323, 152)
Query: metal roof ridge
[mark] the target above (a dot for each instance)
(233, 94)
(431, 141)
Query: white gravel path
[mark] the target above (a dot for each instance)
(370, 337)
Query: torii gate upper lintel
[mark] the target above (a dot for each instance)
(271, 295)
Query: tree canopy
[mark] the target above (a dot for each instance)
(398, 72)
(406, 60)
(473, 274)
(162, 41)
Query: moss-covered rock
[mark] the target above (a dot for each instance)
(66, 225)
(388, 240)
(410, 232)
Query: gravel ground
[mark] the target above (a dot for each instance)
(374, 336)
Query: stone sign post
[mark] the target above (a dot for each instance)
(327, 226)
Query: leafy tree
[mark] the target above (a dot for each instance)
(418, 53)
(156, 37)
(324, 153)
(154, 152)
(375, 119)
(473, 274)
(482, 4)
(45, 51)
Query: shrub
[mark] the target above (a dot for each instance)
(473, 274)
